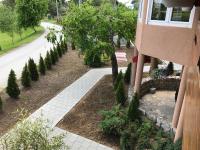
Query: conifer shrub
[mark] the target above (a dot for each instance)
(42, 67)
(53, 60)
(127, 76)
(59, 50)
(55, 52)
(118, 43)
(33, 70)
(66, 46)
(133, 112)
(73, 46)
(12, 86)
(170, 69)
(119, 78)
(128, 44)
(1, 105)
(48, 62)
(120, 93)
(25, 78)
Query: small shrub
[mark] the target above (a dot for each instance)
(170, 69)
(0, 48)
(73, 46)
(59, 50)
(127, 76)
(158, 74)
(133, 112)
(12, 86)
(92, 58)
(66, 46)
(119, 78)
(128, 44)
(118, 43)
(120, 93)
(53, 59)
(114, 120)
(125, 141)
(33, 70)
(48, 62)
(56, 56)
(42, 67)
(1, 105)
(25, 78)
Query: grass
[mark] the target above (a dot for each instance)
(27, 36)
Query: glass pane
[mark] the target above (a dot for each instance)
(158, 11)
(181, 14)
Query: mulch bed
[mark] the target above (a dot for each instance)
(69, 68)
(84, 118)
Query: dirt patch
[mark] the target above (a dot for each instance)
(69, 68)
(84, 118)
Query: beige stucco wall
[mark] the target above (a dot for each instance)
(174, 44)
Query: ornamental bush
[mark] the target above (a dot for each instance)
(42, 66)
(1, 105)
(119, 78)
(170, 69)
(127, 76)
(33, 70)
(120, 93)
(73, 46)
(133, 112)
(59, 50)
(53, 59)
(92, 58)
(48, 61)
(12, 86)
(25, 78)
(56, 56)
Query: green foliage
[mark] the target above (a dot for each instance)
(119, 78)
(1, 104)
(114, 121)
(120, 93)
(133, 112)
(128, 44)
(125, 141)
(25, 78)
(93, 58)
(59, 50)
(32, 135)
(55, 52)
(53, 59)
(73, 46)
(42, 66)
(170, 69)
(33, 70)
(12, 86)
(9, 3)
(0, 48)
(158, 74)
(127, 76)
(118, 43)
(48, 61)
(30, 12)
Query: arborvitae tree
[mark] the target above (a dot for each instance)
(66, 46)
(42, 67)
(127, 76)
(128, 44)
(33, 70)
(53, 59)
(12, 86)
(119, 78)
(118, 43)
(55, 52)
(120, 93)
(48, 61)
(133, 111)
(1, 105)
(170, 69)
(73, 46)
(63, 47)
(59, 50)
(25, 78)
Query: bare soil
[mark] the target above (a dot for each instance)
(84, 118)
(69, 68)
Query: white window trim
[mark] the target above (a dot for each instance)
(140, 12)
(167, 21)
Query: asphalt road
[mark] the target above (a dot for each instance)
(17, 58)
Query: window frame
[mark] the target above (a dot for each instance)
(140, 11)
(168, 21)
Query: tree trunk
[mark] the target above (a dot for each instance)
(154, 64)
(114, 67)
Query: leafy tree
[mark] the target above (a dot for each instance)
(48, 61)
(120, 93)
(30, 12)
(170, 69)
(25, 78)
(42, 67)
(133, 108)
(9, 3)
(1, 105)
(33, 70)
(119, 78)
(127, 76)
(53, 59)
(12, 86)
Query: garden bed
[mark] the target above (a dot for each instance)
(84, 118)
(69, 68)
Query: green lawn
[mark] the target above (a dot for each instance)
(27, 36)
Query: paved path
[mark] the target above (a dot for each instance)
(17, 58)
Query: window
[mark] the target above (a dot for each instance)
(158, 14)
(140, 9)
(158, 11)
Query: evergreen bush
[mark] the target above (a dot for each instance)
(33, 70)
(170, 69)
(120, 93)
(133, 112)
(125, 141)
(119, 78)
(59, 50)
(92, 58)
(1, 105)
(42, 67)
(118, 43)
(56, 56)
(48, 62)
(12, 86)
(127, 76)
(128, 44)
(66, 46)
(53, 59)
(73, 46)
(25, 78)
